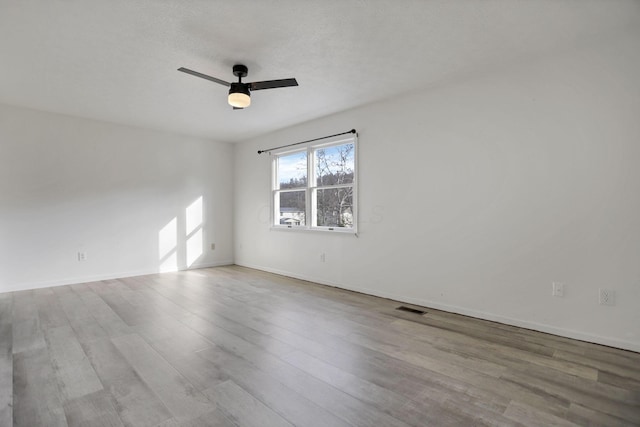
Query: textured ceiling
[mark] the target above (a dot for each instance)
(116, 60)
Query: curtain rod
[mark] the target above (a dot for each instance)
(303, 142)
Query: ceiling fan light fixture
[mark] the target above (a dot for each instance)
(239, 95)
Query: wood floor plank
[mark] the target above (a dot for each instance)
(26, 332)
(199, 372)
(424, 354)
(215, 418)
(629, 412)
(136, 404)
(104, 321)
(6, 360)
(95, 409)
(88, 329)
(149, 298)
(290, 405)
(571, 373)
(215, 334)
(471, 375)
(75, 375)
(403, 378)
(178, 344)
(339, 403)
(27, 336)
(622, 381)
(169, 328)
(177, 394)
(36, 395)
(606, 354)
(587, 417)
(531, 416)
(470, 346)
(612, 365)
(242, 408)
(71, 303)
(387, 400)
(127, 311)
(50, 311)
(24, 306)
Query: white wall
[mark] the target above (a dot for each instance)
(477, 195)
(70, 185)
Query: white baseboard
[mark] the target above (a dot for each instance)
(97, 278)
(208, 265)
(541, 327)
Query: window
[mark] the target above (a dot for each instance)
(314, 188)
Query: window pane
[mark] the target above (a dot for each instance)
(292, 170)
(334, 165)
(292, 207)
(335, 207)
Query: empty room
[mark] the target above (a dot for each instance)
(330, 213)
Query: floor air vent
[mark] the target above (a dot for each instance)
(411, 310)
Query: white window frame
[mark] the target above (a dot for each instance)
(311, 188)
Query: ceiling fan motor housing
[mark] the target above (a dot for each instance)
(240, 70)
(239, 88)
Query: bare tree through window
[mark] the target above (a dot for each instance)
(334, 179)
(314, 187)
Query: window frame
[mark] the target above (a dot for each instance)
(311, 189)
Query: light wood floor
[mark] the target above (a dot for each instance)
(233, 346)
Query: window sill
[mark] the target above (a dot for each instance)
(334, 230)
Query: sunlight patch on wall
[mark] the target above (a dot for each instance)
(168, 245)
(193, 224)
(194, 216)
(181, 240)
(170, 263)
(194, 247)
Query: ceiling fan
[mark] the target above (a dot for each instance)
(239, 92)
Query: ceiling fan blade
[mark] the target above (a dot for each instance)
(272, 84)
(204, 76)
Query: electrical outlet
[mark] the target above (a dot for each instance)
(322, 257)
(213, 246)
(557, 289)
(607, 297)
(82, 256)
